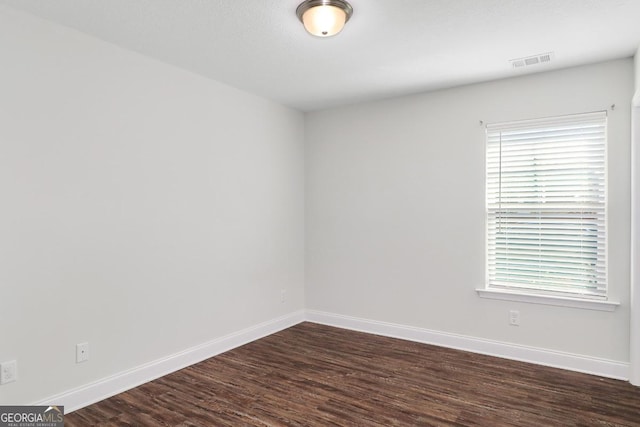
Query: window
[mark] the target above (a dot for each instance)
(546, 206)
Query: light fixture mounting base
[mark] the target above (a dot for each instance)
(308, 4)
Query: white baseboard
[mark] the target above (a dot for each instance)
(556, 359)
(118, 383)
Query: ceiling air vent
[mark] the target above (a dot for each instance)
(542, 58)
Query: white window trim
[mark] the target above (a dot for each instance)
(546, 299)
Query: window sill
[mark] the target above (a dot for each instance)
(548, 300)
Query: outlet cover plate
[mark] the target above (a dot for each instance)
(8, 372)
(82, 352)
(514, 318)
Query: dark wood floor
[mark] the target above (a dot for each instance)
(313, 375)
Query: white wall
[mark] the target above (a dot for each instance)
(395, 210)
(636, 98)
(144, 209)
(635, 228)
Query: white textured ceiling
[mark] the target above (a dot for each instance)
(388, 48)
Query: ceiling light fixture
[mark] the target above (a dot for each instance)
(324, 18)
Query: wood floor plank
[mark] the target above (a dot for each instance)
(315, 375)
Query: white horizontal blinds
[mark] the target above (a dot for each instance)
(546, 205)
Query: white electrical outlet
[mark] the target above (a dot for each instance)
(283, 295)
(514, 318)
(82, 352)
(8, 372)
